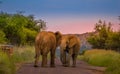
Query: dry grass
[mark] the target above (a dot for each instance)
(105, 58)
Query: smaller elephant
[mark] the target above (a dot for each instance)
(46, 42)
(69, 47)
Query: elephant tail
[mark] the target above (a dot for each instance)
(37, 50)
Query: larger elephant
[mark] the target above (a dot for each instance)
(69, 47)
(46, 42)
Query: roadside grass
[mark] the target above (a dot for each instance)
(104, 58)
(7, 65)
(23, 54)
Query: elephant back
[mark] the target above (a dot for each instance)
(46, 40)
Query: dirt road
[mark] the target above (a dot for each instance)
(82, 68)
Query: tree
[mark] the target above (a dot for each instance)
(2, 37)
(106, 38)
(113, 41)
(41, 24)
(103, 29)
(19, 29)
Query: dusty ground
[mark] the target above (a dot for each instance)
(82, 68)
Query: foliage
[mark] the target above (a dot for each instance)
(18, 29)
(7, 66)
(105, 38)
(114, 67)
(105, 58)
(113, 41)
(2, 37)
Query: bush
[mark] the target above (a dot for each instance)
(114, 67)
(105, 58)
(9, 65)
(19, 29)
(2, 37)
(105, 37)
(6, 64)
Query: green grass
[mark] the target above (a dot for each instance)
(104, 58)
(7, 65)
(23, 54)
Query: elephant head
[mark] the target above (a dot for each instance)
(63, 47)
(70, 44)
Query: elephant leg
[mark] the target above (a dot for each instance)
(69, 57)
(74, 57)
(64, 59)
(68, 60)
(44, 60)
(61, 58)
(52, 62)
(36, 61)
(36, 58)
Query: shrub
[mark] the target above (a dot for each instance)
(2, 37)
(114, 67)
(105, 37)
(6, 64)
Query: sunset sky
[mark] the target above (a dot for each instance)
(67, 16)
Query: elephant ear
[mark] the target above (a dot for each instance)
(72, 41)
(58, 37)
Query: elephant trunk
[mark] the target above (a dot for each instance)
(63, 57)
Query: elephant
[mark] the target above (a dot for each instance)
(69, 47)
(45, 42)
